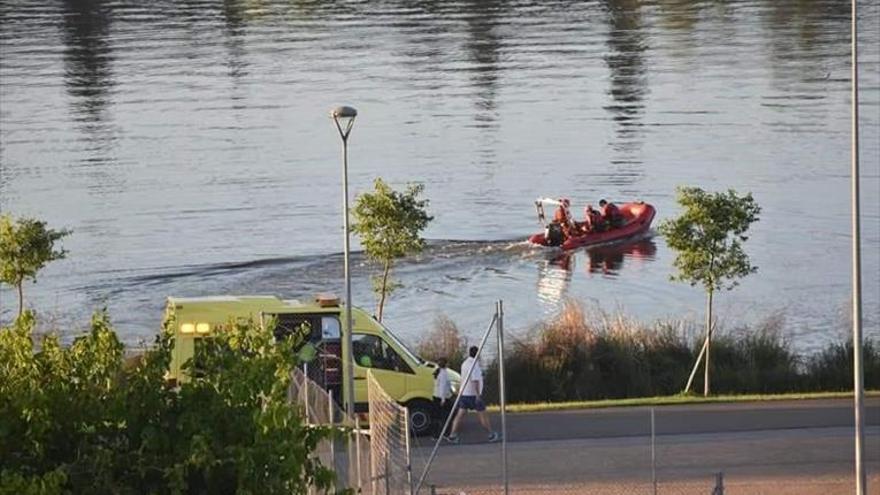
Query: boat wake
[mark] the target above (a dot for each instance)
(448, 271)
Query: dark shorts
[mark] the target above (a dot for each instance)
(471, 403)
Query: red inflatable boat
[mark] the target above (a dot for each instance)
(636, 220)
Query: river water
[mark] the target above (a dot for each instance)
(187, 144)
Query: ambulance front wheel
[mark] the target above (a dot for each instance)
(421, 419)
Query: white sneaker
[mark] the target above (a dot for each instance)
(494, 436)
(452, 439)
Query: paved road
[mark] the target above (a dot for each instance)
(784, 442)
(679, 420)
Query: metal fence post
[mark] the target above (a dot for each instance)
(357, 446)
(502, 394)
(409, 480)
(374, 469)
(305, 401)
(306, 390)
(719, 484)
(332, 441)
(387, 477)
(653, 455)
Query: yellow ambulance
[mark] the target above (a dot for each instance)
(405, 376)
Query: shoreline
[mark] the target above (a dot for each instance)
(674, 400)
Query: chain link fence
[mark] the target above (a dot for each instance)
(719, 484)
(704, 486)
(374, 460)
(348, 450)
(391, 470)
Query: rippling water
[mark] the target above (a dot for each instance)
(187, 145)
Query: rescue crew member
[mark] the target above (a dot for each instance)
(592, 219)
(561, 214)
(562, 217)
(610, 213)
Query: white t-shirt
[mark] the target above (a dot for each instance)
(442, 386)
(474, 386)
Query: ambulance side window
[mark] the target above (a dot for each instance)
(330, 329)
(370, 351)
(300, 327)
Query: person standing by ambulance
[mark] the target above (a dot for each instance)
(442, 395)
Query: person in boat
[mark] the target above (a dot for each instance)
(562, 217)
(610, 213)
(592, 220)
(561, 214)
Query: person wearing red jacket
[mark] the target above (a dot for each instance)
(610, 214)
(592, 220)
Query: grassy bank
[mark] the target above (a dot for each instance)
(677, 400)
(582, 356)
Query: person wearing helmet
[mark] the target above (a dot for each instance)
(563, 217)
(561, 214)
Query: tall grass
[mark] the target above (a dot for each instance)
(589, 355)
(444, 340)
(832, 368)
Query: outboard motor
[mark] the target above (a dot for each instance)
(553, 235)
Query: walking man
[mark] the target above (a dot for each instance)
(470, 397)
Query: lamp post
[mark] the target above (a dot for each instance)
(858, 364)
(344, 119)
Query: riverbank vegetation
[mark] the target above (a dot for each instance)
(708, 237)
(443, 340)
(675, 400)
(590, 355)
(82, 419)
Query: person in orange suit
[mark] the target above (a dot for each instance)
(592, 220)
(610, 214)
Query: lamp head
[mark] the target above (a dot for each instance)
(344, 118)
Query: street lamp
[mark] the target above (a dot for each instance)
(858, 364)
(344, 119)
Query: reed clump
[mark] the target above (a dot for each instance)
(443, 340)
(832, 368)
(592, 355)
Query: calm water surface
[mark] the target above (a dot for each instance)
(187, 145)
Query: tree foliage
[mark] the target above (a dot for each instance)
(77, 419)
(26, 246)
(390, 224)
(709, 236)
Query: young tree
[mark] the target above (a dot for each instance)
(26, 246)
(389, 224)
(709, 236)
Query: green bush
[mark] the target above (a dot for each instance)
(832, 369)
(77, 419)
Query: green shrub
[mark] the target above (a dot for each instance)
(78, 419)
(754, 360)
(832, 369)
